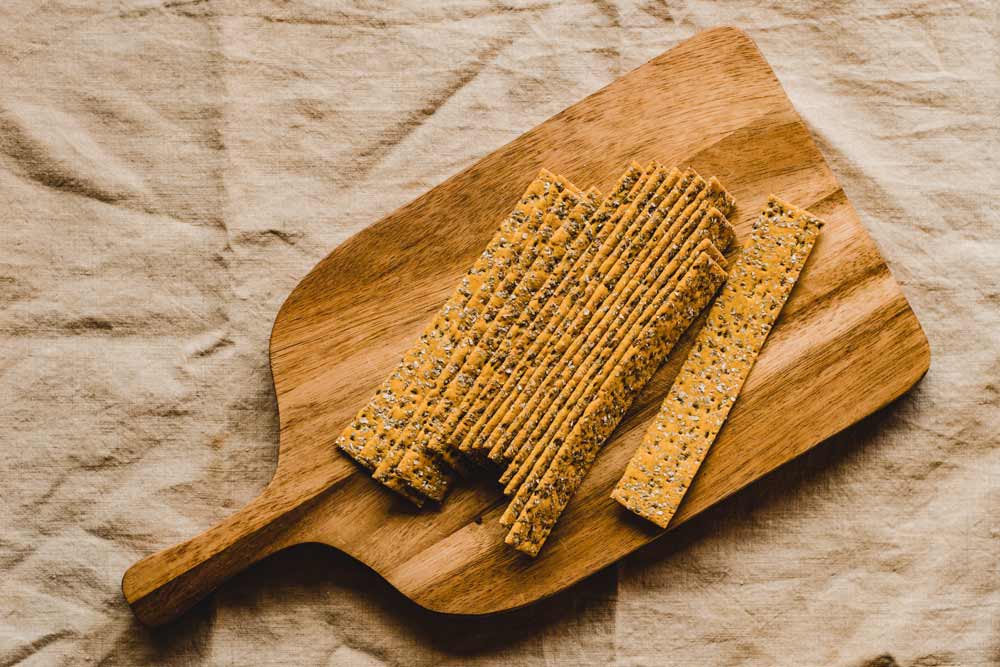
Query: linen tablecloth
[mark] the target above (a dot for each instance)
(170, 170)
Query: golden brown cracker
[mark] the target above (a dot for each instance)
(721, 357)
(654, 253)
(556, 486)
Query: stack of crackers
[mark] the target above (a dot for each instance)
(534, 359)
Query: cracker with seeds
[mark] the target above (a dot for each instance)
(679, 241)
(540, 456)
(531, 342)
(544, 443)
(575, 310)
(417, 466)
(360, 439)
(436, 369)
(528, 404)
(614, 335)
(563, 257)
(721, 358)
(653, 254)
(553, 491)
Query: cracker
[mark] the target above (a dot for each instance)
(654, 254)
(428, 359)
(574, 310)
(538, 458)
(562, 423)
(722, 356)
(418, 466)
(612, 335)
(553, 491)
(450, 433)
(675, 241)
(360, 439)
(439, 364)
(505, 372)
(535, 391)
(504, 325)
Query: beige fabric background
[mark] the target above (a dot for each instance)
(168, 172)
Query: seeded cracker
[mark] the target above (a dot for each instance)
(436, 371)
(504, 377)
(421, 364)
(618, 346)
(566, 366)
(444, 441)
(722, 356)
(511, 359)
(567, 470)
(357, 439)
(653, 257)
(418, 467)
(591, 290)
(503, 326)
(615, 334)
(585, 286)
(677, 244)
(665, 302)
(548, 443)
(543, 382)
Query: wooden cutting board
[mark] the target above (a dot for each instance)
(846, 344)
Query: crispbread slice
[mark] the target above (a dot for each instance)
(522, 409)
(576, 309)
(612, 337)
(548, 435)
(723, 353)
(562, 257)
(537, 458)
(437, 367)
(418, 467)
(677, 241)
(544, 443)
(550, 497)
(669, 220)
(500, 328)
(541, 309)
(427, 362)
(654, 253)
(360, 440)
(554, 311)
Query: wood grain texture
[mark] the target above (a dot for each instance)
(845, 345)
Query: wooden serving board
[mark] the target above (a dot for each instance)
(846, 344)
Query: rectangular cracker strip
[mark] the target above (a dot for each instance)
(684, 235)
(475, 318)
(356, 439)
(435, 371)
(567, 470)
(655, 256)
(547, 445)
(530, 403)
(530, 342)
(711, 229)
(563, 377)
(573, 313)
(448, 434)
(509, 361)
(469, 361)
(418, 467)
(722, 356)
(423, 362)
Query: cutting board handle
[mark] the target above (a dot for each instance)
(161, 587)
